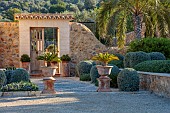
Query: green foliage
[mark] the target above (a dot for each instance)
(2, 78)
(157, 56)
(10, 68)
(65, 57)
(113, 75)
(85, 77)
(151, 45)
(94, 74)
(19, 75)
(158, 66)
(128, 80)
(133, 58)
(20, 86)
(105, 58)
(8, 74)
(49, 57)
(57, 8)
(116, 11)
(83, 69)
(118, 63)
(25, 58)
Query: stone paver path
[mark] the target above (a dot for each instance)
(81, 97)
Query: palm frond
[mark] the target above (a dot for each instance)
(121, 29)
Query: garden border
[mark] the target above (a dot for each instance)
(157, 83)
(21, 93)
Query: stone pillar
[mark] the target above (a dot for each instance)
(104, 84)
(49, 85)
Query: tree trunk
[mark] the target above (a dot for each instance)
(137, 19)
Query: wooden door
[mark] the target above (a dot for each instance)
(37, 48)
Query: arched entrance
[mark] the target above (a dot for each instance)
(31, 34)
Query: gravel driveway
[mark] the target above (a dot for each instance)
(74, 96)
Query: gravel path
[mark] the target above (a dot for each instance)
(81, 97)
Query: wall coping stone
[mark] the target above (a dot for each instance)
(158, 74)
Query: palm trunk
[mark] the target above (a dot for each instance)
(137, 26)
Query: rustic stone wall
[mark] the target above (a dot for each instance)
(83, 43)
(157, 83)
(9, 44)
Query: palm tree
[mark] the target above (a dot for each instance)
(152, 12)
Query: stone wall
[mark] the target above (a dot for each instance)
(157, 83)
(9, 44)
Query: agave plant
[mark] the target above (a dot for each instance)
(105, 58)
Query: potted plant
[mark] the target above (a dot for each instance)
(104, 58)
(49, 70)
(104, 70)
(25, 59)
(65, 65)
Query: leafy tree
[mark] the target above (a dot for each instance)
(89, 4)
(152, 12)
(57, 8)
(10, 13)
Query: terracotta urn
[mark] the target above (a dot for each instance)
(104, 70)
(48, 71)
(26, 65)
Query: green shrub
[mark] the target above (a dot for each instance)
(158, 66)
(19, 75)
(8, 74)
(128, 80)
(2, 78)
(118, 63)
(25, 58)
(83, 69)
(21, 86)
(157, 56)
(133, 58)
(151, 45)
(85, 77)
(113, 75)
(94, 74)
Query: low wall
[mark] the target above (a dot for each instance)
(158, 83)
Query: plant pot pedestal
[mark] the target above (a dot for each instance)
(104, 84)
(26, 65)
(104, 80)
(49, 85)
(65, 69)
(48, 80)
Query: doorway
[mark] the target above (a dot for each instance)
(43, 39)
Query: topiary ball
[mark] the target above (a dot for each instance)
(128, 80)
(94, 74)
(83, 69)
(2, 78)
(20, 75)
(8, 74)
(157, 56)
(113, 75)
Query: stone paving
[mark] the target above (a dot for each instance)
(74, 96)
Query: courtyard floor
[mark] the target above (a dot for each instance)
(74, 96)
